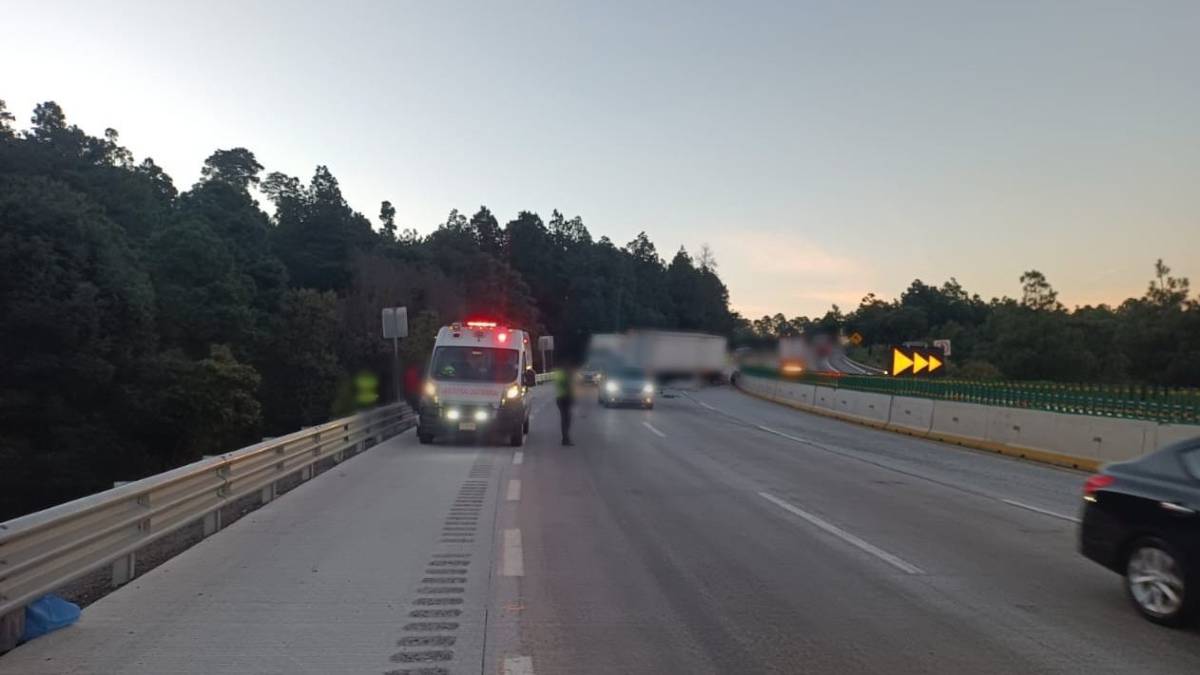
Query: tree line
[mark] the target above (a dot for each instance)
(143, 326)
(1153, 339)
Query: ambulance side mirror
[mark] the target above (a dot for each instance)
(529, 378)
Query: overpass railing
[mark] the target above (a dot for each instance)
(1141, 402)
(43, 551)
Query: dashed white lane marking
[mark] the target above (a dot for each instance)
(514, 491)
(894, 561)
(1035, 509)
(656, 431)
(513, 562)
(790, 437)
(706, 405)
(518, 457)
(518, 665)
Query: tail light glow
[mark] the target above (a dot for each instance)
(481, 324)
(502, 337)
(1096, 483)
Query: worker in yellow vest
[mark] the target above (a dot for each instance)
(564, 396)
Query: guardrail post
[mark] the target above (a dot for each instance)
(212, 522)
(12, 626)
(341, 453)
(123, 569)
(306, 472)
(268, 493)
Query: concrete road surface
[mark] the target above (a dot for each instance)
(716, 533)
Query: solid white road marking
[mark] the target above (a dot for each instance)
(1035, 509)
(518, 665)
(514, 491)
(513, 563)
(518, 457)
(845, 536)
(651, 428)
(706, 405)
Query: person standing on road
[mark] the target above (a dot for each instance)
(564, 396)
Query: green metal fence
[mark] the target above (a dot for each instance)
(1131, 401)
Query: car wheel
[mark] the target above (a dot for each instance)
(525, 426)
(517, 439)
(648, 406)
(1156, 582)
(425, 439)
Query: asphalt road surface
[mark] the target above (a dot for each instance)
(717, 533)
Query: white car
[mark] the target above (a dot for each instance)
(627, 386)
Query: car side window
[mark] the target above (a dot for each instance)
(1191, 461)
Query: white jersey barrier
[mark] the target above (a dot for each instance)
(1080, 441)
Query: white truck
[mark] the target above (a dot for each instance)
(668, 354)
(478, 382)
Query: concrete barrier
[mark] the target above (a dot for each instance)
(1166, 434)
(953, 421)
(797, 393)
(913, 416)
(823, 397)
(874, 409)
(1079, 441)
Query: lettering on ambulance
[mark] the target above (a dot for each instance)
(457, 390)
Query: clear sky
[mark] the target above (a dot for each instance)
(823, 150)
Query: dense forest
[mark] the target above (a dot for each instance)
(143, 326)
(1154, 339)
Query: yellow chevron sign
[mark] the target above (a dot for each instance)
(915, 361)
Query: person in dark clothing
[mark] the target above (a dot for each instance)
(564, 396)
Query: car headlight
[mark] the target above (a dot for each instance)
(647, 388)
(480, 415)
(430, 389)
(611, 387)
(453, 414)
(513, 392)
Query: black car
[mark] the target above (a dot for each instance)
(1141, 518)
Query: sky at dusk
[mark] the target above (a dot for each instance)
(823, 150)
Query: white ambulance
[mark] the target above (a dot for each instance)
(478, 382)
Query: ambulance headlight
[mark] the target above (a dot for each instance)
(453, 414)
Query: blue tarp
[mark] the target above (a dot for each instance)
(47, 614)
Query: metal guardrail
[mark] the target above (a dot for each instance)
(42, 551)
(542, 378)
(1140, 402)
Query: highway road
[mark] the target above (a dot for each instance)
(717, 533)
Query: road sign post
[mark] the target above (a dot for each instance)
(395, 326)
(545, 344)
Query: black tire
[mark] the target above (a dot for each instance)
(525, 426)
(648, 406)
(1152, 551)
(517, 439)
(425, 439)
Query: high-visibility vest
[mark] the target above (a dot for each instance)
(562, 384)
